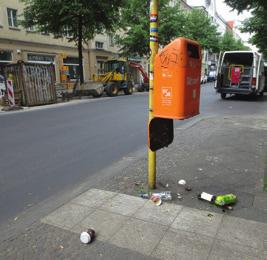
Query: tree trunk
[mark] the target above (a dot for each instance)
(80, 49)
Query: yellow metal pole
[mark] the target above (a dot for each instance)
(153, 44)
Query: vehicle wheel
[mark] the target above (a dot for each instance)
(98, 92)
(112, 90)
(97, 95)
(141, 88)
(129, 89)
(223, 95)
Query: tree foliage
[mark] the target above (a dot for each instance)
(81, 18)
(241, 5)
(135, 26)
(173, 22)
(257, 24)
(199, 27)
(229, 43)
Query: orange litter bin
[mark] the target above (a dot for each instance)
(177, 70)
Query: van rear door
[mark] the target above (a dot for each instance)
(218, 72)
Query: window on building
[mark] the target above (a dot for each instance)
(67, 32)
(44, 30)
(32, 29)
(207, 2)
(99, 45)
(100, 64)
(111, 40)
(73, 67)
(5, 56)
(12, 17)
(1, 18)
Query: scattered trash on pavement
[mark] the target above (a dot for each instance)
(156, 200)
(61, 247)
(182, 182)
(167, 185)
(200, 169)
(227, 207)
(144, 195)
(188, 188)
(88, 236)
(179, 196)
(205, 196)
(164, 195)
(210, 215)
(225, 200)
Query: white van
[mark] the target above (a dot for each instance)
(240, 72)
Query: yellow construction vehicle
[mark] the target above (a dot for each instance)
(116, 77)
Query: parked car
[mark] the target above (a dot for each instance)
(212, 76)
(2, 86)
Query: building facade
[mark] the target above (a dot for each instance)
(17, 43)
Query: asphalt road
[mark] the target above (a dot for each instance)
(47, 150)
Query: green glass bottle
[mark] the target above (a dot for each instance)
(226, 199)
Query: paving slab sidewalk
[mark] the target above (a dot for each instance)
(166, 232)
(133, 226)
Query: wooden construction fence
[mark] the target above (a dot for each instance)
(34, 84)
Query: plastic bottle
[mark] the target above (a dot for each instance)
(226, 199)
(164, 195)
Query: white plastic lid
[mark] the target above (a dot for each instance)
(182, 182)
(85, 238)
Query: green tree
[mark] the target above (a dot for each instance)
(241, 5)
(82, 18)
(229, 43)
(199, 27)
(135, 26)
(173, 22)
(240, 46)
(257, 24)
